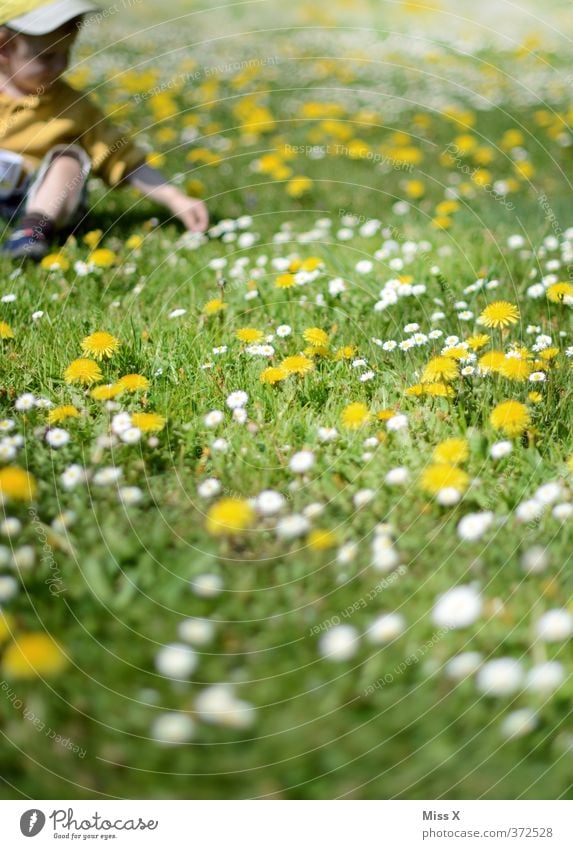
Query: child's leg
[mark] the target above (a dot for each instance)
(57, 191)
(53, 200)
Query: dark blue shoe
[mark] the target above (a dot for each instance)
(26, 244)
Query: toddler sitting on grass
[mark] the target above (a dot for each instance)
(52, 137)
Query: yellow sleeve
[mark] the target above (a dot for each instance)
(112, 151)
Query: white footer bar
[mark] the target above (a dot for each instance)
(288, 824)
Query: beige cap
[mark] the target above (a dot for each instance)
(51, 16)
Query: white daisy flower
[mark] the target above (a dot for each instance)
(196, 631)
(291, 527)
(176, 661)
(457, 608)
(131, 436)
(207, 585)
(209, 488)
(554, 626)
(213, 418)
(339, 643)
(129, 495)
(25, 402)
(57, 437)
(173, 729)
(519, 722)
(386, 628)
(269, 502)
(463, 665)
(500, 677)
(301, 462)
(237, 399)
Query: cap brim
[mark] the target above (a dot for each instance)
(51, 17)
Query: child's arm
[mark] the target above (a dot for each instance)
(151, 183)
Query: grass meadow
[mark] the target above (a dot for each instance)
(288, 508)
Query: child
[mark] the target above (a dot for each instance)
(53, 137)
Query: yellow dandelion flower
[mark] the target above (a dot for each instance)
(106, 392)
(452, 451)
(346, 352)
(446, 207)
(60, 414)
(535, 397)
(100, 345)
(456, 352)
(321, 540)
(83, 371)
(55, 262)
(273, 375)
(492, 361)
(316, 337)
(440, 369)
(415, 189)
(481, 177)
(512, 417)
(93, 238)
(133, 383)
(213, 307)
(499, 314)
(416, 390)
(134, 242)
(298, 186)
(355, 415)
(148, 422)
(515, 368)
(249, 335)
(311, 263)
(479, 340)
(103, 258)
(557, 292)
(548, 354)
(316, 351)
(285, 281)
(229, 516)
(6, 331)
(298, 364)
(439, 390)
(384, 415)
(17, 484)
(32, 655)
(441, 476)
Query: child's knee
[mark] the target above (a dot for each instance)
(67, 164)
(70, 159)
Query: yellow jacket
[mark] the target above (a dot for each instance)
(32, 125)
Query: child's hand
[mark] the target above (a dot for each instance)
(191, 212)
